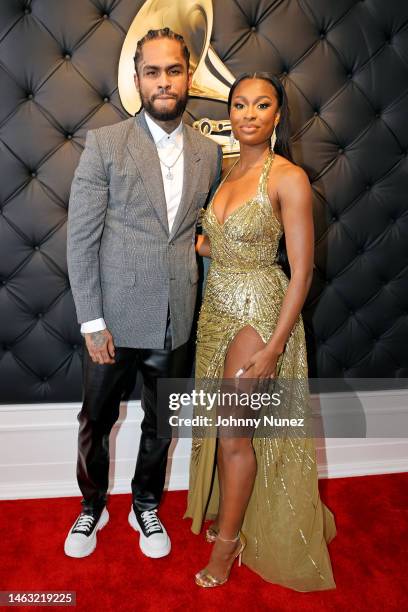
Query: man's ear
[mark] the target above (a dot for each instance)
(136, 80)
(190, 78)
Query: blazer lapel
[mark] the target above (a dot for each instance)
(143, 150)
(191, 158)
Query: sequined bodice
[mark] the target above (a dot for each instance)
(248, 239)
(244, 282)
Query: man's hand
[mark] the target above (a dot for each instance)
(100, 346)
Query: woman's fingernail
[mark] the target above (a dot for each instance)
(239, 373)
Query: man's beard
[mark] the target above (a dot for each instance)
(165, 115)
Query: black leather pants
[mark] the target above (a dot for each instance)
(104, 386)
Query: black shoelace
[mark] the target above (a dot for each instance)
(151, 523)
(85, 524)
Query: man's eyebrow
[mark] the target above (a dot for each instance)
(152, 67)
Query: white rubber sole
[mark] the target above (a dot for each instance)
(153, 554)
(74, 550)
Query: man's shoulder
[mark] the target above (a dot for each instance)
(204, 142)
(115, 131)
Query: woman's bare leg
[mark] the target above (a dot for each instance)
(236, 464)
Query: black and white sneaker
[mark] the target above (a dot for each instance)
(154, 541)
(81, 539)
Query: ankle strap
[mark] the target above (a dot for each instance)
(226, 540)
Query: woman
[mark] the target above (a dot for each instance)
(262, 491)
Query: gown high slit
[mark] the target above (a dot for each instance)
(286, 525)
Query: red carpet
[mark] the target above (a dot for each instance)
(369, 556)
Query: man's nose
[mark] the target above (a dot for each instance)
(164, 81)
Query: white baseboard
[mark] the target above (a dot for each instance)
(38, 446)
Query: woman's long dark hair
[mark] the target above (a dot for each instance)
(282, 145)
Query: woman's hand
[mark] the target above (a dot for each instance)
(262, 364)
(202, 246)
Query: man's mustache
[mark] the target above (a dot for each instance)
(160, 95)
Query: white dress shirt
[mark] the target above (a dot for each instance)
(168, 146)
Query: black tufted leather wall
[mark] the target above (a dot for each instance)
(344, 64)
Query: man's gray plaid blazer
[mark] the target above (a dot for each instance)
(123, 264)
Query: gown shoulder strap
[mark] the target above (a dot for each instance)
(263, 179)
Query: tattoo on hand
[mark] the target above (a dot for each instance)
(98, 339)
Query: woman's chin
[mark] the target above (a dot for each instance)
(251, 140)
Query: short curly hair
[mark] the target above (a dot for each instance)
(162, 33)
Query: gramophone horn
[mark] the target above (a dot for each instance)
(194, 20)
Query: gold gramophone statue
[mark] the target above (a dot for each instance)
(211, 78)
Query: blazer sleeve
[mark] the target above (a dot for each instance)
(86, 218)
(218, 172)
(216, 177)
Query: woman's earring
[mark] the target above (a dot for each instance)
(232, 140)
(273, 139)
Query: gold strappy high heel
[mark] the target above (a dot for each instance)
(211, 534)
(207, 580)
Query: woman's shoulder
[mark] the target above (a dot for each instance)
(287, 171)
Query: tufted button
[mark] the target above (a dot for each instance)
(350, 75)
(388, 41)
(316, 113)
(253, 28)
(341, 151)
(368, 187)
(69, 136)
(378, 115)
(360, 251)
(36, 248)
(328, 281)
(6, 347)
(322, 35)
(285, 73)
(334, 218)
(4, 282)
(75, 347)
(105, 15)
(67, 56)
(351, 312)
(106, 99)
(40, 315)
(30, 96)
(33, 174)
(44, 378)
(27, 11)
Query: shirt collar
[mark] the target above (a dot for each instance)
(160, 135)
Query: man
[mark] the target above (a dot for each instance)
(134, 204)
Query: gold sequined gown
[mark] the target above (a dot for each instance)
(286, 524)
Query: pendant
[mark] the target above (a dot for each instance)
(169, 175)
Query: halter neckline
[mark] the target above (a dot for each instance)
(265, 168)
